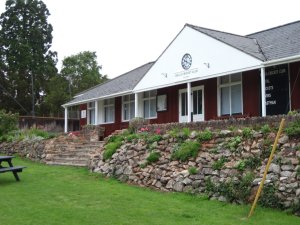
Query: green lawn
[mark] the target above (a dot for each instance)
(67, 195)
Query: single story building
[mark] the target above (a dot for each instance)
(203, 74)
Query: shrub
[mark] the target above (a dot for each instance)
(8, 122)
(269, 198)
(153, 157)
(137, 123)
(252, 162)
(234, 143)
(186, 150)
(293, 130)
(265, 129)
(131, 137)
(154, 138)
(205, 135)
(217, 165)
(247, 132)
(113, 143)
(241, 166)
(193, 170)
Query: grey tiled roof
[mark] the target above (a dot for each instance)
(279, 42)
(123, 83)
(245, 44)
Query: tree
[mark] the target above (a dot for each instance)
(79, 72)
(27, 63)
(82, 71)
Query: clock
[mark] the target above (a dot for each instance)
(186, 61)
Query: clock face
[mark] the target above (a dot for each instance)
(186, 61)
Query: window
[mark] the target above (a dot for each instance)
(91, 113)
(230, 94)
(128, 107)
(109, 110)
(149, 100)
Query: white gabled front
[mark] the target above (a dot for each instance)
(210, 58)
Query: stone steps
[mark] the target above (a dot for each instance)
(72, 154)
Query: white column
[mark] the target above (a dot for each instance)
(96, 112)
(136, 105)
(263, 91)
(189, 102)
(66, 119)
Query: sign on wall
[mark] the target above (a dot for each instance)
(83, 114)
(277, 90)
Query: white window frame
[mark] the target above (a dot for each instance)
(91, 107)
(131, 99)
(229, 84)
(108, 103)
(149, 98)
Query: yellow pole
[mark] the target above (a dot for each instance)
(267, 168)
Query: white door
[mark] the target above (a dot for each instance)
(197, 100)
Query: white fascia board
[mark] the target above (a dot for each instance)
(98, 98)
(200, 78)
(289, 59)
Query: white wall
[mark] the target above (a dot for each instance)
(204, 50)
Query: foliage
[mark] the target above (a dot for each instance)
(137, 123)
(293, 129)
(217, 165)
(247, 132)
(185, 133)
(205, 135)
(154, 138)
(82, 71)
(186, 150)
(293, 113)
(26, 61)
(80, 194)
(8, 122)
(252, 162)
(241, 166)
(192, 170)
(153, 157)
(234, 191)
(269, 198)
(113, 143)
(131, 137)
(265, 129)
(234, 143)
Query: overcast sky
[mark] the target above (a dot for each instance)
(126, 34)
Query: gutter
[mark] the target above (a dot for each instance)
(97, 98)
(274, 62)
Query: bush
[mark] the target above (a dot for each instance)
(293, 130)
(217, 165)
(193, 170)
(110, 149)
(153, 157)
(154, 138)
(234, 143)
(247, 132)
(137, 123)
(8, 122)
(186, 150)
(269, 198)
(205, 135)
(265, 129)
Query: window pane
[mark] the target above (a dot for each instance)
(131, 110)
(153, 93)
(195, 102)
(224, 79)
(146, 109)
(236, 77)
(153, 108)
(92, 116)
(132, 97)
(183, 104)
(146, 94)
(225, 105)
(125, 112)
(109, 114)
(126, 98)
(236, 99)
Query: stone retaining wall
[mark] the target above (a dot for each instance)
(129, 164)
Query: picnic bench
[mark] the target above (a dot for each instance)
(14, 169)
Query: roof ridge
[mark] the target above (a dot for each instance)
(273, 28)
(194, 26)
(110, 80)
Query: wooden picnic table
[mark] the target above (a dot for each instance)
(10, 168)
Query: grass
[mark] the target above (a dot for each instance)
(67, 195)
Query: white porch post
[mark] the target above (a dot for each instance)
(96, 112)
(136, 105)
(189, 102)
(66, 119)
(263, 91)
